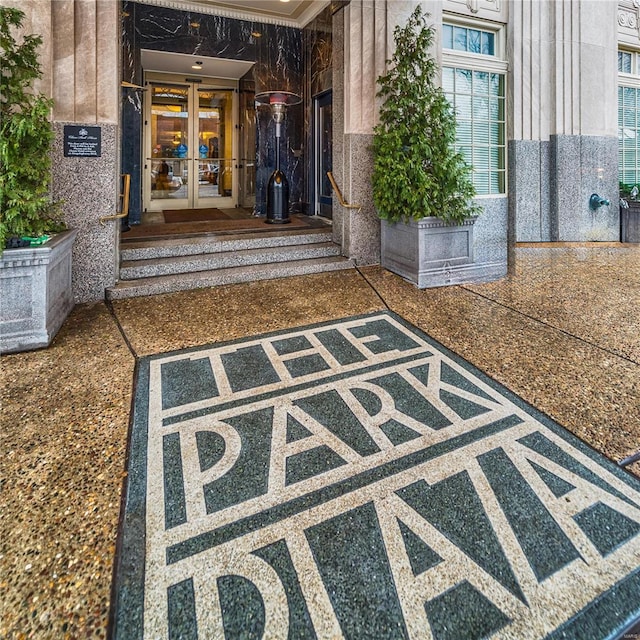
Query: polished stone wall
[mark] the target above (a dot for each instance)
(597, 158)
(88, 189)
(340, 215)
(549, 197)
(529, 190)
(356, 230)
(563, 120)
(490, 242)
(361, 239)
(278, 58)
(80, 63)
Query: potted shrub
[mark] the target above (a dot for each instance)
(35, 266)
(629, 213)
(422, 187)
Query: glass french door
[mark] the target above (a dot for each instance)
(190, 144)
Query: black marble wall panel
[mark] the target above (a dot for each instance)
(278, 56)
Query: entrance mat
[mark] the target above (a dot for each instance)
(224, 226)
(194, 215)
(355, 479)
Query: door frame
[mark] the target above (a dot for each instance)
(322, 205)
(192, 199)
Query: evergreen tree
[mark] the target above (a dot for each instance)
(26, 135)
(417, 172)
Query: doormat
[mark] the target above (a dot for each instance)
(225, 226)
(194, 215)
(355, 479)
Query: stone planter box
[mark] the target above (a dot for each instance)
(35, 293)
(430, 252)
(630, 223)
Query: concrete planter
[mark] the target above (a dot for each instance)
(630, 223)
(35, 293)
(430, 252)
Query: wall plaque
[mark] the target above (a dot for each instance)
(82, 142)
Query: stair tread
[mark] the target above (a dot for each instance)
(229, 275)
(219, 244)
(238, 253)
(205, 238)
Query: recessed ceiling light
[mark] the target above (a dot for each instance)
(284, 0)
(197, 65)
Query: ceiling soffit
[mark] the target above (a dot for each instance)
(168, 62)
(296, 13)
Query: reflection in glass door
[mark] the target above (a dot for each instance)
(190, 142)
(323, 140)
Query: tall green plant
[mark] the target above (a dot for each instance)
(26, 135)
(417, 172)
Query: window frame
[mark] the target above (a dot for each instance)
(629, 81)
(496, 63)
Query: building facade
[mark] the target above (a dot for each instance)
(542, 91)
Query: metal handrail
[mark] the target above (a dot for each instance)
(124, 196)
(341, 200)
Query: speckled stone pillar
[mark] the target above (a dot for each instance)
(563, 120)
(597, 159)
(79, 57)
(490, 244)
(529, 191)
(338, 124)
(363, 35)
(88, 190)
(362, 226)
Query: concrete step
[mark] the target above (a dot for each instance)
(230, 275)
(135, 269)
(167, 247)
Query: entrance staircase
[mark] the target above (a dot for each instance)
(149, 267)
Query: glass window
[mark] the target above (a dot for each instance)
(624, 61)
(469, 40)
(628, 139)
(628, 118)
(460, 39)
(478, 97)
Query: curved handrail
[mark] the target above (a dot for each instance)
(341, 200)
(124, 207)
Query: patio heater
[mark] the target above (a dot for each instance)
(278, 186)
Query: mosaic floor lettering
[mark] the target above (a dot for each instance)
(356, 480)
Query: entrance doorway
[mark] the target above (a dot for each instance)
(190, 143)
(323, 137)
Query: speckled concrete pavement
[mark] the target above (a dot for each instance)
(563, 333)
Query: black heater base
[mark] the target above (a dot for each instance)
(277, 199)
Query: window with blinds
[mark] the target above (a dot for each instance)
(473, 79)
(628, 118)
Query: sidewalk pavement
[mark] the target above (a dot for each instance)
(562, 332)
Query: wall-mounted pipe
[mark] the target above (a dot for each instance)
(595, 201)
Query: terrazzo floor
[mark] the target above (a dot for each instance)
(562, 333)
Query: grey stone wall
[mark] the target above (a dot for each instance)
(581, 166)
(362, 226)
(550, 183)
(490, 242)
(529, 191)
(88, 189)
